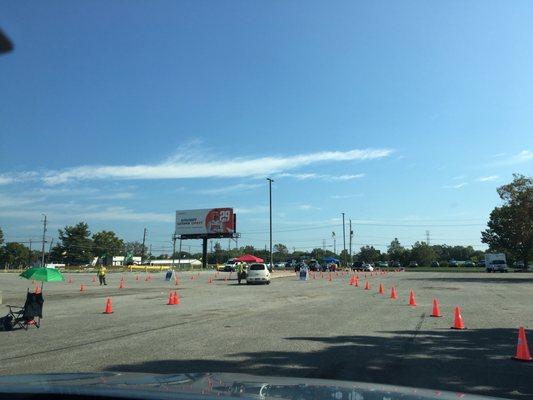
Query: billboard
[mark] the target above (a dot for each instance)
(205, 221)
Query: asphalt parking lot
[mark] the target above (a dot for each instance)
(319, 328)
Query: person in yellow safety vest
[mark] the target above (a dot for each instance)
(240, 271)
(102, 271)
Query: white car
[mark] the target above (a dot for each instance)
(368, 267)
(258, 273)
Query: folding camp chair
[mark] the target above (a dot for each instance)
(30, 314)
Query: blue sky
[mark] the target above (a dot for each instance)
(404, 115)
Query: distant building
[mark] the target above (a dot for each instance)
(117, 261)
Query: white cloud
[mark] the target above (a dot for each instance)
(307, 207)
(189, 165)
(5, 180)
(523, 157)
(488, 178)
(323, 177)
(458, 186)
(346, 177)
(232, 188)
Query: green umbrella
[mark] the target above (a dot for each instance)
(43, 274)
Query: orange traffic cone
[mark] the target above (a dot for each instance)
(412, 299)
(37, 289)
(458, 322)
(170, 299)
(108, 306)
(436, 309)
(82, 288)
(146, 278)
(136, 277)
(367, 285)
(352, 280)
(393, 294)
(522, 349)
(70, 279)
(177, 281)
(381, 289)
(176, 298)
(121, 284)
(329, 278)
(356, 283)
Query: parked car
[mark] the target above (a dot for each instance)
(469, 264)
(519, 265)
(397, 264)
(279, 265)
(435, 264)
(481, 263)
(357, 266)
(230, 266)
(413, 264)
(453, 263)
(314, 265)
(368, 267)
(258, 273)
(383, 264)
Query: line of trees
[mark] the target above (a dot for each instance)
(510, 230)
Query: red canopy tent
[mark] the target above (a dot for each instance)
(248, 258)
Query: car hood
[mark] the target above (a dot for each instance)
(212, 386)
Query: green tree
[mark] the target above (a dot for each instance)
(76, 246)
(135, 248)
(369, 254)
(15, 255)
(423, 254)
(106, 243)
(281, 252)
(395, 250)
(510, 226)
(1, 237)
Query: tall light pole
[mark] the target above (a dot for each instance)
(270, 180)
(344, 238)
(44, 240)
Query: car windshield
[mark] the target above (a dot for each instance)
(195, 187)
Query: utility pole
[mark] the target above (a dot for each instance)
(270, 204)
(334, 243)
(427, 237)
(173, 249)
(142, 248)
(44, 240)
(150, 251)
(344, 238)
(324, 245)
(29, 257)
(351, 236)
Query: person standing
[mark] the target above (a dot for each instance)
(102, 272)
(240, 269)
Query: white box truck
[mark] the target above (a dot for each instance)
(495, 262)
